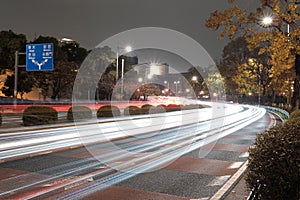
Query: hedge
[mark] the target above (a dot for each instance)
(108, 111)
(158, 109)
(274, 161)
(39, 115)
(295, 114)
(132, 110)
(79, 113)
(147, 109)
(173, 107)
(192, 106)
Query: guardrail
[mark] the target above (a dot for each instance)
(283, 114)
(254, 192)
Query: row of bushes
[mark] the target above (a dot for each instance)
(274, 161)
(39, 115)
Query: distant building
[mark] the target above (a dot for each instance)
(146, 70)
(65, 41)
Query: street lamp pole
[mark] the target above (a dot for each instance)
(176, 85)
(259, 85)
(122, 80)
(194, 81)
(168, 84)
(127, 50)
(268, 21)
(117, 65)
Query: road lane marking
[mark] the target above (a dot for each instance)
(244, 155)
(230, 183)
(219, 180)
(235, 165)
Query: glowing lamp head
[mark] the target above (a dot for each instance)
(267, 21)
(128, 49)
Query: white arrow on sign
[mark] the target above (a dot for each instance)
(39, 64)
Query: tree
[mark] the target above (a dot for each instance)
(25, 84)
(214, 82)
(58, 83)
(105, 86)
(147, 90)
(235, 53)
(253, 77)
(96, 75)
(59, 54)
(74, 52)
(10, 42)
(62, 80)
(281, 46)
(195, 80)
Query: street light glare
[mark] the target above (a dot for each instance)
(128, 49)
(267, 21)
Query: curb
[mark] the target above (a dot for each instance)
(230, 184)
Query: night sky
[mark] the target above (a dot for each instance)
(89, 22)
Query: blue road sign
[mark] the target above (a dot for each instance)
(39, 57)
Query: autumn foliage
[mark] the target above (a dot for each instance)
(278, 40)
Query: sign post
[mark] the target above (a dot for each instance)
(39, 57)
(16, 74)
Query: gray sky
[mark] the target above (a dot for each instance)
(91, 21)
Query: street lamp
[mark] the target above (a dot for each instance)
(215, 95)
(267, 21)
(127, 50)
(194, 78)
(168, 84)
(176, 85)
(194, 81)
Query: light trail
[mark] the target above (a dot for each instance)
(158, 149)
(156, 162)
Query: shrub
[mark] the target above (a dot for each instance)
(295, 114)
(79, 113)
(108, 111)
(132, 110)
(39, 115)
(274, 161)
(147, 109)
(192, 106)
(158, 109)
(173, 107)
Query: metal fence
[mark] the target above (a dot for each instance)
(283, 114)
